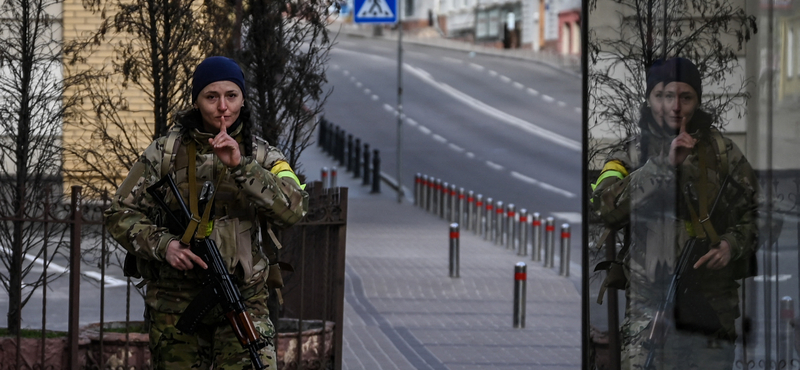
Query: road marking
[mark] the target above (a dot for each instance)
(388, 108)
(492, 73)
(494, 166)
(336, 67)
(478, 105)
(456, 147)
(424, 130)
(542, 185)
(374, 97)
(352, 79)
(452, 60)
(562, 104)
(367, 91)
(505, 79)
(470, 155)
(346, 72)
(578, 109)
(773, 278)
(519, 85)
(411, 122)
(569, 217)
(359, 85)
(533, 92)
(548, 98)
(439, 138)
(110, 281)
(476, 66)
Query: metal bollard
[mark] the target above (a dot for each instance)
(565, 250)
(536, 237)
(376, 172)
(444, 190)
(476, 221)
(323, 126)
(417, 186)
(511, 233)
(520, 282)
(497, 224)
(454, 250)
(357, 159)
(462, 208)
(469, 217)
(333, 177)
(453, 204)
(342, 148)
(366, 165)
(350, 160)
(549, 242)
(523, 232)
(488, 228)
(334, 142)
(437, 197)
(324, 178)
(787, 331)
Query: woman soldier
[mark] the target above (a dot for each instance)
(675, 197)
(210, 142)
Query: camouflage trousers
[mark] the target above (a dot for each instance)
(214, 345)
(681, 350)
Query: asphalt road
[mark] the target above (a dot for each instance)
(504, 128)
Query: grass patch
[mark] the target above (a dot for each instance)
(133, 328)
(33, 333)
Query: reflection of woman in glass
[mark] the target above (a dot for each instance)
(669, 201)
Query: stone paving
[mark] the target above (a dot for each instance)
(402, 311)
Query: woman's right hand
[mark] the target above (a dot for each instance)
(681, 147)
(181, 257)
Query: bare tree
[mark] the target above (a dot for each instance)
(33, 107)
(285, 53)
(708, 33)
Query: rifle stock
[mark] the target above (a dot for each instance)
(219, 285)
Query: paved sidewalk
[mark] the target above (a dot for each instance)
(402, 311)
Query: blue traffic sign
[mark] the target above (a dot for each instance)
(375, 11)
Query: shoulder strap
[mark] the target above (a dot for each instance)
(262, 149)
(171, 146)
(722, 152)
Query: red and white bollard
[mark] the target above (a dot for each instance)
(550, 242)
(511, 230)
(520, 282)
(523, 232)
(787, 331)
(333, 177)
(565, 250)
(454, 250)
(488, 226)
(324, 178)
(478, 223)
(497, 224)
(536, 237)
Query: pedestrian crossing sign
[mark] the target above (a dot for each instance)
(375, 11)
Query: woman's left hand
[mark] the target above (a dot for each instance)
(225, 147)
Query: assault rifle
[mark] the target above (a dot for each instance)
(219, 287)
(661, 322)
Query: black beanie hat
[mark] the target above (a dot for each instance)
(683, 70)
(214, 69)
(654, 76)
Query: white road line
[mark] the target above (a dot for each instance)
(548, 98)
(452, 60)
(470, 155)
(533, 92)
(577, 109)
(494, 166)
(456, 147)
(773, 278)
(562, 104)
(439, 138)
(411, 122)
(569, 217)
(110, 281)
(519, 85)
(424, 130)
(346, 72)
(352, 79)
(336, 67)
(478, 105)
(505, 79)
(542, 185)
(374, 97)
(476, 66)
(492, 73)
(388, 108)
(367, 91)
(359, 85)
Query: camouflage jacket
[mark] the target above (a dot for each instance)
(247, 190)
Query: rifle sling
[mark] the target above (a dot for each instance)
(194, 221)
(701, 223)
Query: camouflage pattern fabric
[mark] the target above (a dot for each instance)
(660, 226)
(135, 220)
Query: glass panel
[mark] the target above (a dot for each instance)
(693, 145)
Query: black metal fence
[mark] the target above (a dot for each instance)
(309, 331)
